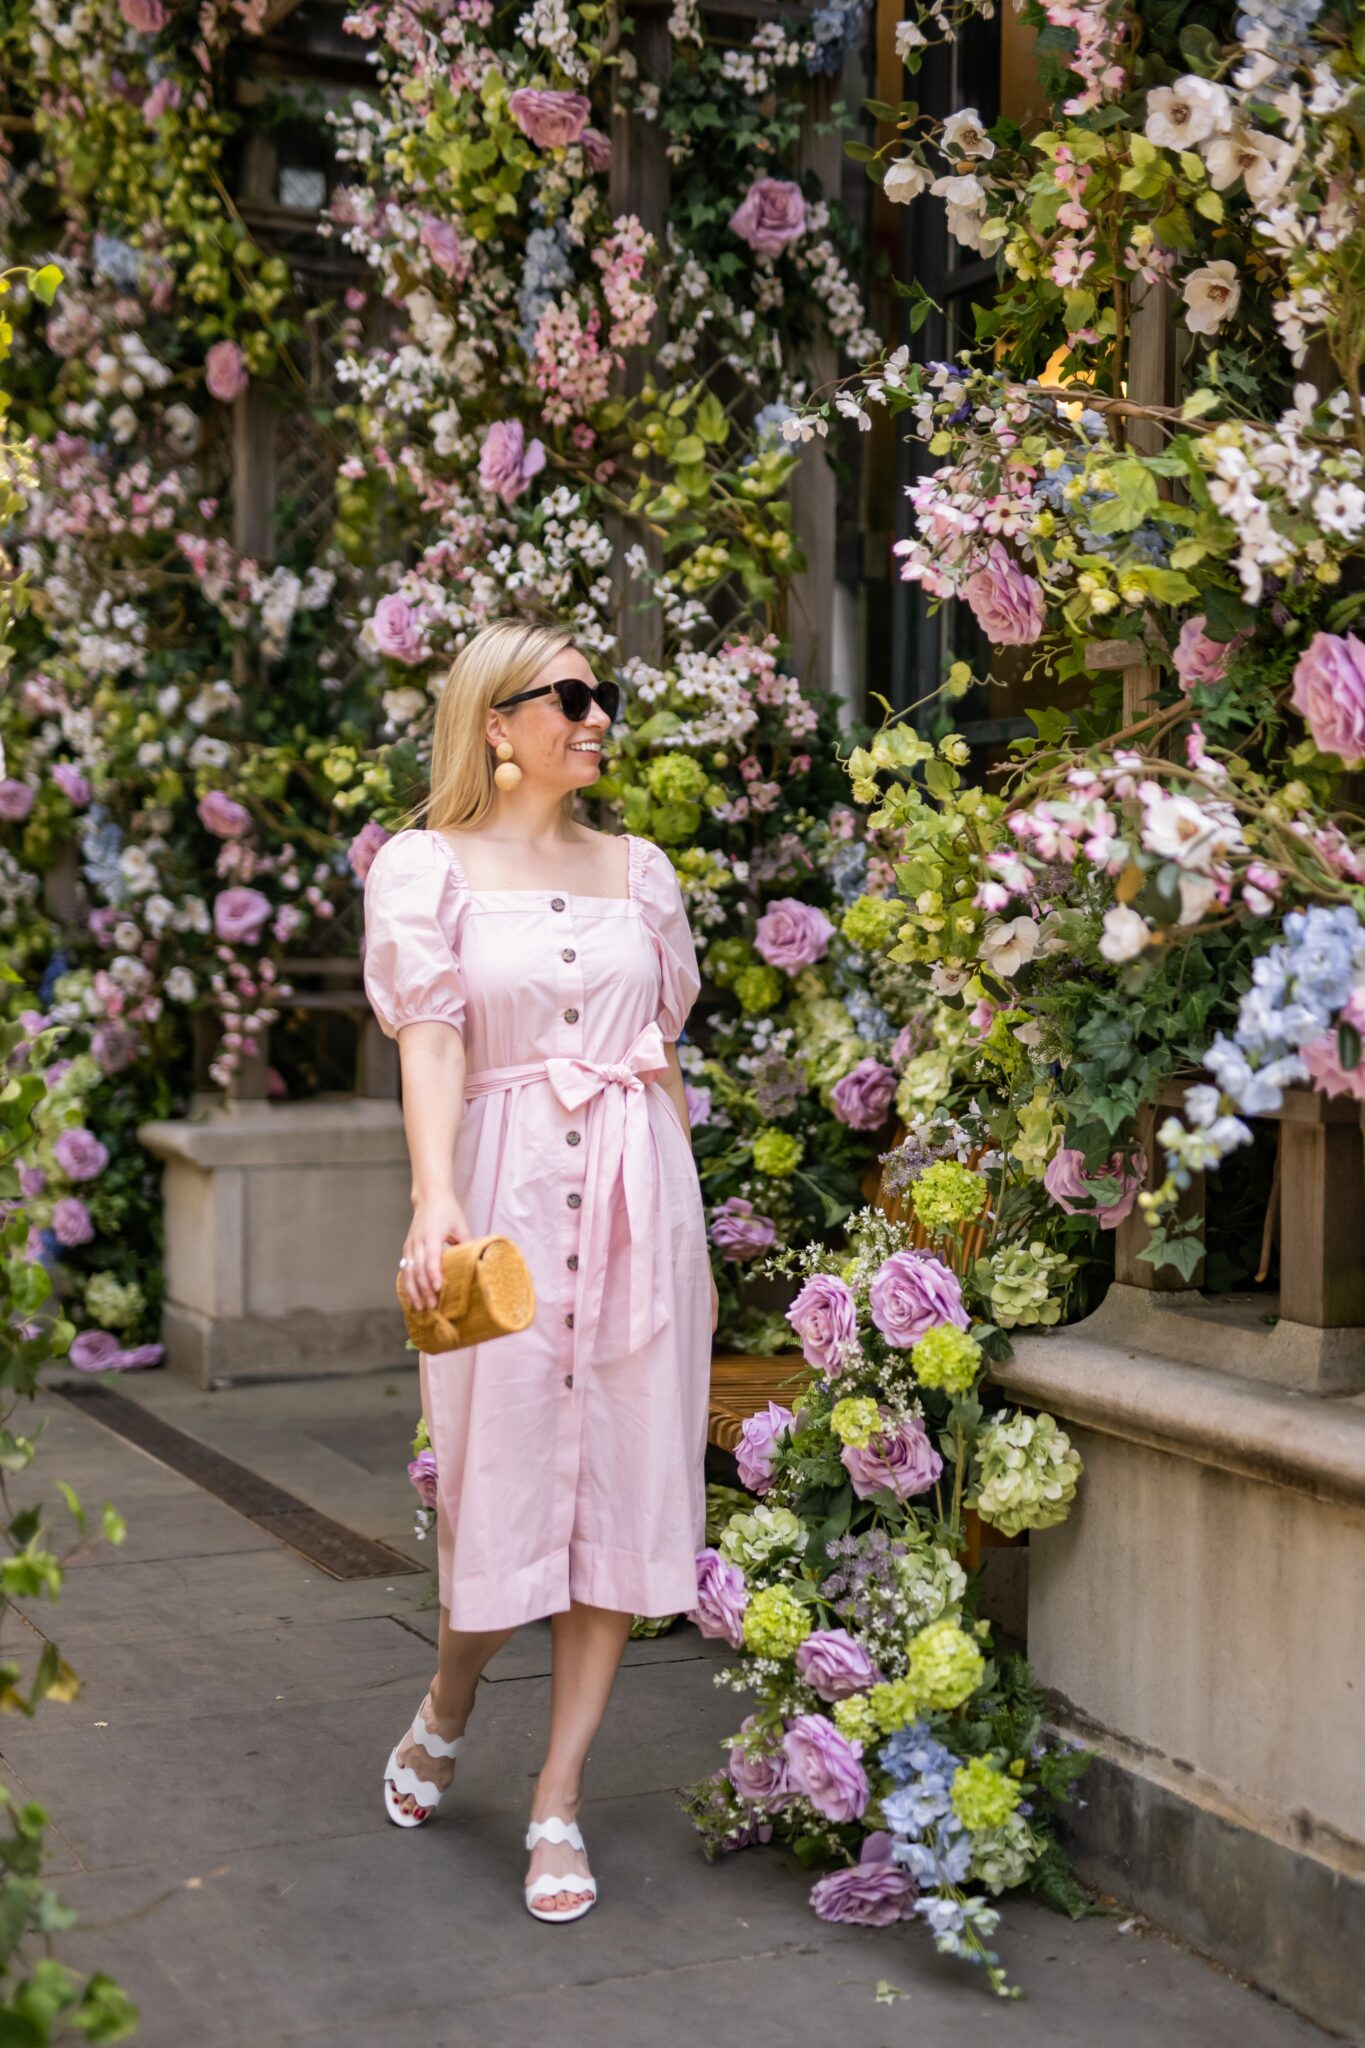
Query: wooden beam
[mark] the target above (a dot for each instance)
(811, 614)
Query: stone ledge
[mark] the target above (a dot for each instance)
(1283, 1438)
(352, 1131)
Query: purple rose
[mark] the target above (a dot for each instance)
(422, 1473)
(366, 844)
(757, 1442)
(1065, 1180)
(225, 371)
(16, 801)
(146, 17)
(824, 1316)
(910, 1293)
(698, 1102)
(72, 784)
(444, 247)
(94, 1351)
(722, 1596)
(901, 1461)
(1329, 693)
(771, 214)
(80, 1155)
(32, 1181)
(863, 1097)
(507, 461)
(140, 1355)
(792, 935)
(910, 1040)
(398, 630)
(239, 915)
(552, 120)
(71, 1223)
(1008, 604)
(114, 1047)
(824, 1766)
(223, 815)
(762, 1776)
(737, 1233)
(1196, 658)
(874, 1892)
(596, 150)
(834, 1664)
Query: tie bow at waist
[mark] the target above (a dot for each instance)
(620, 1165)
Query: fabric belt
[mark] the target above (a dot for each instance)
(621, 1160)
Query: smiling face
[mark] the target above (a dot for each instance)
(549, 748)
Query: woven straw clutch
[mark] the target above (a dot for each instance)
(486, 1291)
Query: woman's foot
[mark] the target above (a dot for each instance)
(433, 1767)
(560, 1858)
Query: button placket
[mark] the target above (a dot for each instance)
(570, 1010)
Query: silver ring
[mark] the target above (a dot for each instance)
(403, 1264)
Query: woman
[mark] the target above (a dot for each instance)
(535, 974)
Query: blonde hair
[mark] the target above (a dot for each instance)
(501, 659)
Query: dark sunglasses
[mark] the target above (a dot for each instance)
(574, 698)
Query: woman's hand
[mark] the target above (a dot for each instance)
(715, 1303)
(437, 1220)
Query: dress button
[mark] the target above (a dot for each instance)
(568, 954)
(574, 1138)
(575, 1201)
(556, 903)
(571, 1016)
(568, 1320)
(568, 1379)
(572, 1262)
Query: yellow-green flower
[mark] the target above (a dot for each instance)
(777, 1152)
(871, 922)
(982, 1798)
(855, 1420)
(945, 1666)
(946, 1194)
(946, 1357)
(854, 1719)
(775, 1622)
(758, 988)
(893, 1705)
(675, 778)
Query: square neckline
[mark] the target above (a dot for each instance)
(633, 842)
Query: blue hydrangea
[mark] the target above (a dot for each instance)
(116, 260)
(832, 27)
(101, 843)
(846, 866)
(912, 1752)
(545, 271)
(868, 1019)
(768, 424)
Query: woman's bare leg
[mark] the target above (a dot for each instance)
(586, 1648)
(460, 1659)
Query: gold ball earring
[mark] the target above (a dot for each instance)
(507, 774)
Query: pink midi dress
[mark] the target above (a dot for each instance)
(569, 1457)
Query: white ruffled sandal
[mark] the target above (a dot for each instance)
(401, 1778)
(556, 1830)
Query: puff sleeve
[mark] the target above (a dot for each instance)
(661, 900)
(412, 903)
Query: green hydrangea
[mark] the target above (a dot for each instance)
(946, 1357)
(1002, 1857)
(871, 922)
(855, 1420)
(1002, 1048)
(945, 1666)
(775, 1622)
(982, 1796)
(1020, 1279)
(932, 1580)
(421, 1437)
(751, 1540)
(893, 1704)
(825, 1038)
(759, 988)
(777, 1152)
(947, 1194)
(676, 779)
(721, 1503)
(854, 1718)
(1025, 1473)
(115, 1303)
(924, 1083)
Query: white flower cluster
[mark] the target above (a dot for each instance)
(1291, 490)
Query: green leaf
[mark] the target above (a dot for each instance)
(43, 284)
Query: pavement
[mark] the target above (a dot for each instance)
(217, 1823)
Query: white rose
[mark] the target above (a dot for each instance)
(1124, 935)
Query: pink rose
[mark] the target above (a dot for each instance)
(757, 1442)
(1008, 604)
(1329, 692)
(792, 935)
(901, 1461)
(422, 1473)
(834, 1665)
(16, 801)
(163, 98)
(911, 1292)
(1065, 1180)
(223, 815)
(94, 1351)
(32, 1181)
(1322, 1056)
(771, 214)
(239, 915)
(71, 1223)
(366, 844)
(114, 1047)
(873, 1892)
(225, 371)
(863, 1097)
(552, 120)
(145, 17)
(1199, 660)
(737, 1233)
(71, 783)
(824, 1766)
(507, 461)
(596, 150)
(761, 1776)
(444, 247)
(80, 1155)
(398, 630)
(824, 1316)
(722, 1596)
